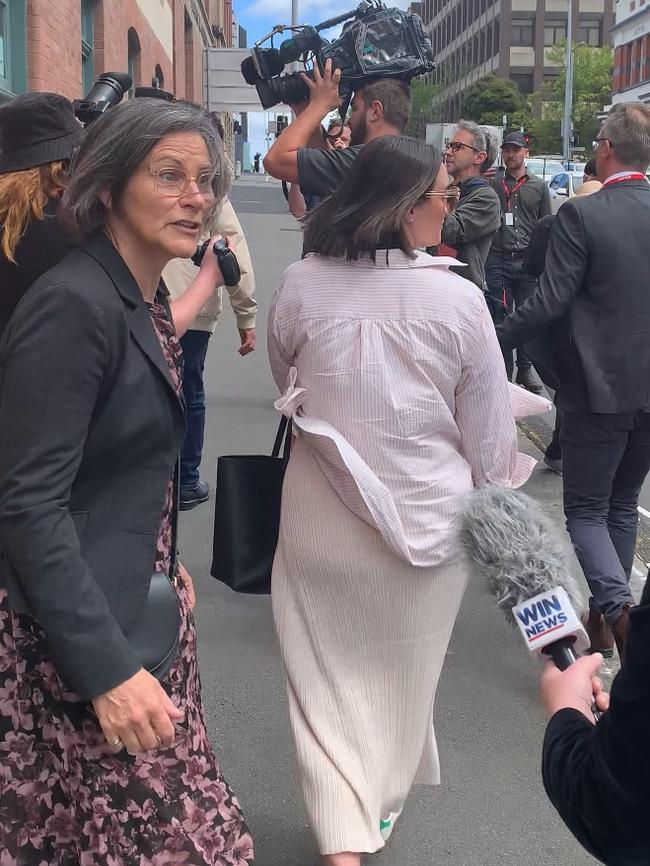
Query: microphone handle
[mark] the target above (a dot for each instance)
(563, 655)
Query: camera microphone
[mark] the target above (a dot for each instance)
(522, 559)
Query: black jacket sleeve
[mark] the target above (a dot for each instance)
(474, 217)
(566, 265)
(56, 358)
(597, 777)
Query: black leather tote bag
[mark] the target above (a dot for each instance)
(247, 515)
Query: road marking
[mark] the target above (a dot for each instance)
(643, 511)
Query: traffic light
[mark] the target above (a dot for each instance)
(281, 122)
(236, 127)
(527, 137)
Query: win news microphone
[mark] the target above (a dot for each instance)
(522, 558)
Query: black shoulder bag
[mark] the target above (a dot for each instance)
(247, 515)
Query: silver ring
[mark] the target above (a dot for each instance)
(114, 742)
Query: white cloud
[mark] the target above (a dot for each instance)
(309, 11)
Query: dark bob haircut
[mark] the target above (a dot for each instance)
(117, 143)
(367, 213)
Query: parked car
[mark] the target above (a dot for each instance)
(563, 186)
(544, 167)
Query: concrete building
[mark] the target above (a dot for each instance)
(631, 41)
(64, 45)
(507, 38)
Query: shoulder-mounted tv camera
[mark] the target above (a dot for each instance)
(376, 42)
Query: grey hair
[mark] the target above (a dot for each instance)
(117, 143)
(627, 128)
(482, 141)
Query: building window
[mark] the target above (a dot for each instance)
(554, 33)
(589, 33)
(133, 58)
(189, 58)
(87, 44)
(524, 81)
(5, 59)
(13, 78)
(523, 32)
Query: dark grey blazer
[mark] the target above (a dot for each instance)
(595, 294)
(90, 431)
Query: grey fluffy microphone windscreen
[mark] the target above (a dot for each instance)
(515, 546)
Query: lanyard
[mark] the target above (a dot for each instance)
(624, 178)
(510, 192)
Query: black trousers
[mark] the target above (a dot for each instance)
(605, 460)
(509, 287)
(195, 347)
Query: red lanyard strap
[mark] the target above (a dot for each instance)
(625, 178)
(510, 192)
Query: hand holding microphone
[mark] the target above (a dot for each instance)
(574, 688)
(521, 556)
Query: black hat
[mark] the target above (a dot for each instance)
(35, 129)
(514, 138)
(154, 93)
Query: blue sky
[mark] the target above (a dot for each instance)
(258, 17)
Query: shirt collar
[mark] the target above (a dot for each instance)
(398, 259)
(617, 175)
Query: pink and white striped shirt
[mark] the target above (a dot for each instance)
(394, 378)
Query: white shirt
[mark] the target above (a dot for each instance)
(395, 379)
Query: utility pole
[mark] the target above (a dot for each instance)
(567, 125)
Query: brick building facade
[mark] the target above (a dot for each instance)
(63, 46)
(631, 78)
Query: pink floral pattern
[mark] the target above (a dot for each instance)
(64, 799)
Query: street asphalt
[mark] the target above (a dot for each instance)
(491, 809)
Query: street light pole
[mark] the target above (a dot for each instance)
(567, 130)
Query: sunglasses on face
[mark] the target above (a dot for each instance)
(450, 195)
(455, 146)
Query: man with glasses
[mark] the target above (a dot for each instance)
(594, 297)
(470, 228)
(525, 199)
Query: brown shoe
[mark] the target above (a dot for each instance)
(620, 628)
(600, 634)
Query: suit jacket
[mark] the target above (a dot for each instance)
(594, 294)
(90, 430)
(597, 777)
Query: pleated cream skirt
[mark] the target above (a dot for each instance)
(363, 636)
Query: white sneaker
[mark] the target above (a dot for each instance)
(387, 825)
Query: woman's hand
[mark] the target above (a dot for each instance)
(210, 263)
(137, 715)
(184, 575)
(575, 687)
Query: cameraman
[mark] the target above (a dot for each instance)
(379, 108)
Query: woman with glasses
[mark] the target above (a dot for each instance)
(393, 377)
(101, 762)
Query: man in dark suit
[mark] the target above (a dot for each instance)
(594, 295)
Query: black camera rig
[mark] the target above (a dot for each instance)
(376, 42)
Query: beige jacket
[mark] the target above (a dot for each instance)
(179, 273)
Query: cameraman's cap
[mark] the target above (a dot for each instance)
(514, 139)
(35, 129)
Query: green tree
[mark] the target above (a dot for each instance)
(592, 89)
(490, 98)
(423, 108)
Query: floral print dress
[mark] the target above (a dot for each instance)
(64, 799)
